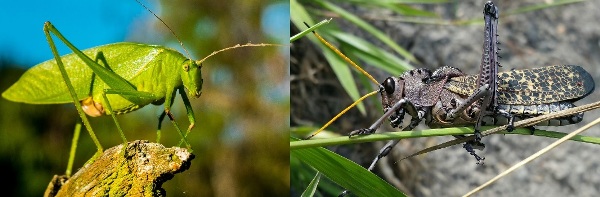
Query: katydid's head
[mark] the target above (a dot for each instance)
(192, 78)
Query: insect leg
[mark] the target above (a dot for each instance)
(470, 146)
(414, 121)
(113, 80)
(74, 142)
(47, 29)
(189, 111)
(161, 117)
(112, 114)
(168, 102)
(480, 93)
(489, 66)
(511, 120)
(379, 121)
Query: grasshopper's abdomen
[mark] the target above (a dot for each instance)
(521, 112)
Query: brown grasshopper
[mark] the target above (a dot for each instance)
(426, 96)
(449, 98)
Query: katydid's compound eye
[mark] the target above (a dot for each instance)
(389, 85)
(186, 67)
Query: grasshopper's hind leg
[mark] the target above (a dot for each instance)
(49, 28)
(470, 146)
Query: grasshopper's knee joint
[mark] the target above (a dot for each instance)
(47, 25)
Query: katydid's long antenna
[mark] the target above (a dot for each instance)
(199, 62)
(172, 32)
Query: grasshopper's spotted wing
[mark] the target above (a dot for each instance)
(533, 86)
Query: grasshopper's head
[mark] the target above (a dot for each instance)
(192, 78)
(393, 91)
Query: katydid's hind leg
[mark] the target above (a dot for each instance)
(125, 94)
(74, 143)
(104, 72)
(49, 28)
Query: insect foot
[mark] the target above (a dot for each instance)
(470, 148)
(363, 131)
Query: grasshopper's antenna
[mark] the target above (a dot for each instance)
(342, 112)
(199, 62)
(355, 66)
(163, 22)
(343, 56)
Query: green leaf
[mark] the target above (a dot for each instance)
(369, 28)
(309, 30)
(312, 187)
(346, 173)
(372, 54)
(384, 136)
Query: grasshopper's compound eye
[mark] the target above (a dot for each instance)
(389, 85)
(186, 67)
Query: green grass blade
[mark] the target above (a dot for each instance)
(299, 15)
(407, 10)
(427, 133)
(342, 71)
(400, 1)
(345, 172)
(369, 28)
(309, 30)
(540, 6)
(312, 187)
(372, 54)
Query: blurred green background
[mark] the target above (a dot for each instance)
(240, 138)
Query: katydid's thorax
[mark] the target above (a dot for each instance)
(157, 73)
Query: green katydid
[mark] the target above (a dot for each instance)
(113, 79)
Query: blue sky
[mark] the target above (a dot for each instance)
(86, 24)
(23, 39)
